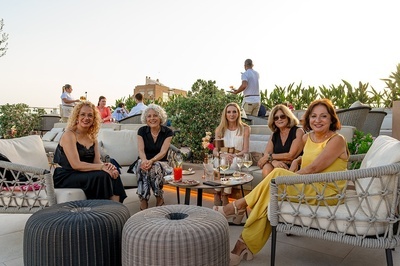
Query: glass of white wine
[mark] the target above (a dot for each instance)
(247, 160)
(224, 163)
(239, 162)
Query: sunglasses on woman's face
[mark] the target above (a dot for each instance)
(276, 118)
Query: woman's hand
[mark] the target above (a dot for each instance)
(111, 170)
(294, 167)
(263, 160)
(146, 165)
(279, 164)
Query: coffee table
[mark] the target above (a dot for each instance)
(198, 176)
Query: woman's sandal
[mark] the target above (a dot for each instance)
(244, 254)
(162, 203)
(237, 216)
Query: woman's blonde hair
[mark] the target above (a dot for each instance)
(74, 117)
(158, 109)
(223, 124)
(292, 120)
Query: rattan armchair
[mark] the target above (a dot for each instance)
(25, 189)
(366, 213)
(355, 116)
(373, 122)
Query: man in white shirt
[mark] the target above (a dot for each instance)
(139, 107)
(251, 90)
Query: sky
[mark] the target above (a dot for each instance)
(109, 47)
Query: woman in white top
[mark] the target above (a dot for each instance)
(235, 134)
(67, 102)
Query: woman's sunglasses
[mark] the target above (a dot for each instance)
(276, 118)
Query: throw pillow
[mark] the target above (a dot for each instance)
(384, 151)
(9, 174)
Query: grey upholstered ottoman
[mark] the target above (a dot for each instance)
(176, 235)
(85, 232)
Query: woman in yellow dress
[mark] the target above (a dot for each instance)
(324, 151)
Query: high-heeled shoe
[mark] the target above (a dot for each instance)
(143, 204)
(245, 254)
(237, 216)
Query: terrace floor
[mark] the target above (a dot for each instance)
(291, 250)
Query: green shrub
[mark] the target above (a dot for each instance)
(19, 117)
(360, 144)
(197, 113)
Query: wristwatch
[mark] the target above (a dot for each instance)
(270, 158)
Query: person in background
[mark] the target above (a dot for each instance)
(154, 140)
(67, 102)
(324, 151)
(285, 143)
(235, 134)
(139, 107)
(79, 157)
(250, 88)
(105, 112)
(120, 112)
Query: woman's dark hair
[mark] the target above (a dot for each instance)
(335, 123)
(100, 98)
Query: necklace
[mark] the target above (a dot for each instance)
(155, 135)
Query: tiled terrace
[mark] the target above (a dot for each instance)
(291, 250)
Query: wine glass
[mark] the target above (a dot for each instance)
(224, 163)
(239, 162)
(247, 160)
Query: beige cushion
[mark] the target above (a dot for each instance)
(27, 150)
(385, 150)
(121, 145)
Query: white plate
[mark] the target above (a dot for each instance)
(188, 183)
(186, 172)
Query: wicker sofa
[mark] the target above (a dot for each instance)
(29, 152)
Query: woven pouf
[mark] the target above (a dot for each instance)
(85, 232)
(176, 235)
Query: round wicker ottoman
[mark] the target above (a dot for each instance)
(176, 235)
(85, 232)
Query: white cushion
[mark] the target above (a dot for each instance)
(258, 146)
(121, 145)
(358, 104)
(257, 137)
(324, 217)
(384, 150)
(49, 136)
(27, 150)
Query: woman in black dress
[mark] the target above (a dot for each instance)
(79, 157)
(286, 140)
(154, 140)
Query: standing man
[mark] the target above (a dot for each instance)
(139, 107)
(251, 90)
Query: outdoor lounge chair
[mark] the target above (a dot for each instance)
(134, 119)
(373, 122)
(367, 212)
(355, 116)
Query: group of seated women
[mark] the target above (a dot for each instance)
(292, 150)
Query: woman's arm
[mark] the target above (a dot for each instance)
(163, 151)
(108, 115)
(246, 141)
(68, 101)
(335, 148)
(68, 142)
(268, 149)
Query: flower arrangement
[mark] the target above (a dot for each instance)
(207, 145)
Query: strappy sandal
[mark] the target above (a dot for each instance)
(245, 254)
(237, 217)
